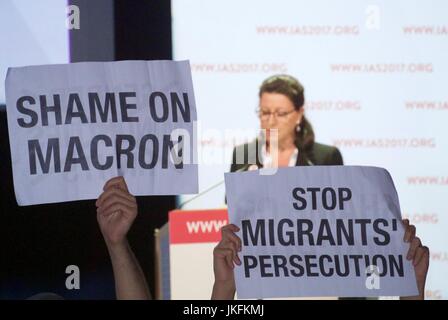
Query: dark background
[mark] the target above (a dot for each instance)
(38, 242)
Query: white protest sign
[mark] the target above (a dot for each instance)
(319, 231)
(74, 126)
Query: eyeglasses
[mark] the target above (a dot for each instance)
(281, 116)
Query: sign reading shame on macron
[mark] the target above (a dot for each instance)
(74, 126)
(319, 231)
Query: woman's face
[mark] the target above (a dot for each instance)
(277, 112)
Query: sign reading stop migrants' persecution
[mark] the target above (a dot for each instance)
(73, 126)
(319, 231)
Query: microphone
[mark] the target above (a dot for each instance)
(243, 168)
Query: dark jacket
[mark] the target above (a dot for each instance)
(317, 154)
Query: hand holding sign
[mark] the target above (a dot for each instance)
(116, 211)
(225, 255)
(419, 255)
(322, 231)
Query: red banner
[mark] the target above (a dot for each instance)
(196, 226)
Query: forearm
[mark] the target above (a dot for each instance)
(420, 296)
(130, 282)
(223, 291)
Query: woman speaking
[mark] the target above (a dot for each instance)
(287, 137)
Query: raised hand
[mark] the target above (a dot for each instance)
(419, 255)
(225, 256)
(116, 211)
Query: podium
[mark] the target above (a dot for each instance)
(184, 253)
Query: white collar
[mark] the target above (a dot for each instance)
(267, 160)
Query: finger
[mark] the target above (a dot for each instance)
(118, 207)
(413, 247)
(114, 191)
(117, 182)
(115, 199)
(111, 215)
(221, 252)
(234, 246)
(237, 260)
(426, 253)
(230, 254)
(102, 215)
(409, 233)
(230, 236)
(224, 253)
(419, 254)
(229, 260)
(231, 227)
